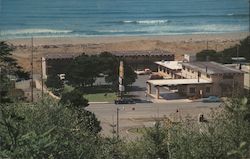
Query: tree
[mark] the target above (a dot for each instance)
(113, 74)
(210, 55)
(4, 87)
(45, 130)
(8, 68)
(153, 144)
(75, 99)
(85, 119)
(8, 63)
(83, 71)
(92, 66)
(244, 49)
(226, 55)
(55, 83)
(156, 142)
(221, 135)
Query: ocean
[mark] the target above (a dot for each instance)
(87, 18)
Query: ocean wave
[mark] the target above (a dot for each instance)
(34, 31)
(230, 14)
(175, 29)
(150, 22)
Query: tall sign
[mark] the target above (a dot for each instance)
(121, 78)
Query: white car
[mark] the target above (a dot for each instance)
(146, 71)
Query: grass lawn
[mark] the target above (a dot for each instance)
(101, 97)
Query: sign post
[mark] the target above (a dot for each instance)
(121, 78)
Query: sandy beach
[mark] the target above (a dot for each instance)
(176, 44)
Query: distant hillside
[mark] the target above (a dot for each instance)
(244, 50)
(226, 55)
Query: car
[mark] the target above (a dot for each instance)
(211, 99)
(140, 72)
(155, 76)
(146, 71)
(124, 101)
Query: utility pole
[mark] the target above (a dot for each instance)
(0, 85)
(237, 52)
(113, 126)
(42, 76)
(32, 78)
(117, 122)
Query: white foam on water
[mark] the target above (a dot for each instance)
(35, 31)
(151, 22)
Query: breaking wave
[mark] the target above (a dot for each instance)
(150, 22)
(35, 31)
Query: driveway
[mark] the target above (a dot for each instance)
(139, 88)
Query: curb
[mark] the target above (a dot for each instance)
(99, 102)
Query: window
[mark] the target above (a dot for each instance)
(192, 90)
(208, 89)
(184, 68)
(208, 76)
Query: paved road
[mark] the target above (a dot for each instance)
(139, 115)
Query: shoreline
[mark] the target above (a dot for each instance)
(220, 37)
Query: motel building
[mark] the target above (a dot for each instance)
(197, 79)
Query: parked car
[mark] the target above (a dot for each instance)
(124, 101)
(211, 99)
(146, 71)
(155, 76)
(140, 72)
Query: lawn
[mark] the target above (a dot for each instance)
(101, 97)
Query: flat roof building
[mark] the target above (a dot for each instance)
(199, 79)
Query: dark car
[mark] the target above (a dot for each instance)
(125, 101)
(155, 76)
(211, 99)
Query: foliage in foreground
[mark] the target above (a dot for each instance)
(226, 135)
(9, 69)
(48, 130)
(54, 130)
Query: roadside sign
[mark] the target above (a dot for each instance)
(121, 88)
(120, 80)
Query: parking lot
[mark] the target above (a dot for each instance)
(139, 89)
